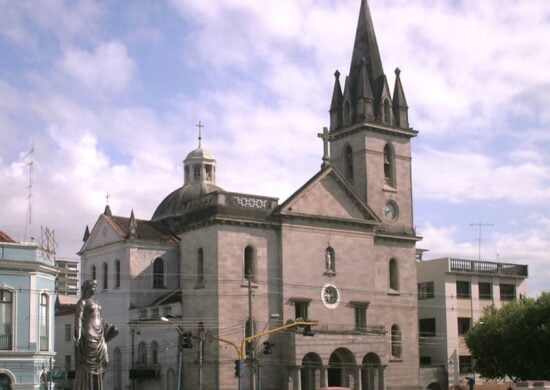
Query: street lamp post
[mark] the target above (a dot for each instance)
(180, 349)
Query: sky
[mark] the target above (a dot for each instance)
(110, 92)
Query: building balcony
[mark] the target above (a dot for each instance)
(488, 268)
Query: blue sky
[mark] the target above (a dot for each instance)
(110, 92)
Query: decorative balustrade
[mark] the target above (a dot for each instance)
(488, 267)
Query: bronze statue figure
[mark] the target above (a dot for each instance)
(91, 335)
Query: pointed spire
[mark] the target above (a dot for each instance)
(107, 211)
(400, 108)
(86, 234)
(364, 90)
(365, 46)
(200, 126)
(132, 226)
(336, 104)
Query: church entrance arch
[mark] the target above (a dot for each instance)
(434, 386)
(312, 367)
(5, 382)
(341, 368)
(371, 372)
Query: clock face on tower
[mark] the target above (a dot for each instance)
(390, 210)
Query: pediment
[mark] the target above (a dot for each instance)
(328, 195)
(103, 233)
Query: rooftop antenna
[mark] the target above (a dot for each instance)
(200, 126)
(28, 160)
(480, 225)
(47, 241)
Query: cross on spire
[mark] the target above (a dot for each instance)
(107, 198)
(200, 126)
(324, 136)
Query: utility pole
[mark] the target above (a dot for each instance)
(252, 331)
(480, 225)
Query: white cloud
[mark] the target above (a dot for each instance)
(462, 176)
(107, 69)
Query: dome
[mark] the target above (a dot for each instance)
(199, 154)
(175, 204)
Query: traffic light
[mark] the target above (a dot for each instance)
(237, 368)
(267, 347)
(186, 340)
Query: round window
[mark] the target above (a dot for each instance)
(330, 296)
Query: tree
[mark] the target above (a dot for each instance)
(513, 341)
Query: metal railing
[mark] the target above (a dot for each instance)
(488, 267)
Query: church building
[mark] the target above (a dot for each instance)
(339, 251)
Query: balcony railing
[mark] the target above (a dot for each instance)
(488, 267)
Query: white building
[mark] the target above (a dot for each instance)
(68, 277)
(452, 296)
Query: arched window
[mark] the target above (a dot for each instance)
(154, 352)
(396, 345)
(117, 369)
(389, 165)
(105, 276)
(330, 260)
(250, 263)
(200, 266)
(158, 273)
(6, 319)
(94, 273)
(44, 322)
(348, 162)
(117, 273)
(394, 275)
(142, 353)
(387, 112)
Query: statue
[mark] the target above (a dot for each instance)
(329, 260)
(91, 335)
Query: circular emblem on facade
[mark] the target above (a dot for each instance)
(330, 296)
(391, 211)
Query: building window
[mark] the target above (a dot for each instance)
(396, 346)
(426, 327)
(68, 333)
(485, 290)
(465, 364)
(68, 363)
(389, 165)
(464, 324)
(200, 266)
(196, 172)
(6, 319)
(158, 273)
(394, 275)
(249, 263)
(462, 289)
(507, 292)
(105, 276)
(143, 313)
(154, 352)
(209, 172)
(167, 311)
(155, 313)
(426, 290)
(94, 273)
(44, 322)
(425, 360)
(117, 273)
(330, 260)
(117, 369)
(301, 310)
(348, 162)
(361, 317)
(142, 353)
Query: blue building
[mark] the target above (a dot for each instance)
(27, 300)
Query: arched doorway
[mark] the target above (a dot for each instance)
(434, 386)
(371, 372)
(5, 382)
(312, 366)
(341, 368)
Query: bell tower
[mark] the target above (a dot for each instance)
(370, 137)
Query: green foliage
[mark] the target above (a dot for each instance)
(513, 341)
